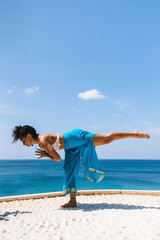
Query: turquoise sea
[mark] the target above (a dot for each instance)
(18, 177)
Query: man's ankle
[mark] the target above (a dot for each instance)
(72, 195)
(72, 199)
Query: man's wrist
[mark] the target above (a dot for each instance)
(49, 156)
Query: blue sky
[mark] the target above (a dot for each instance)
(55, 54)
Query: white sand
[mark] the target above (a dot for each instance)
(99, 217)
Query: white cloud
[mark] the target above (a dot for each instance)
(2, 127)
(155, 130)
(11, 90)
(144, 122)
(97, 127)
(117, 115)
(4, 106)
(122, 105)
(31, 90)
(75, 110)
(91, 94)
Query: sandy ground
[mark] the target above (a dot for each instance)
(99, 217)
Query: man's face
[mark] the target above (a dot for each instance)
(27, 141)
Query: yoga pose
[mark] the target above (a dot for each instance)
(78, 145)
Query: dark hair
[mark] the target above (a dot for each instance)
(23, 131)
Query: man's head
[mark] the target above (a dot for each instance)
(26, 134)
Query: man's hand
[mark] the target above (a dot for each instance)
(41, 153)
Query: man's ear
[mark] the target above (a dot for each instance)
(29, 135)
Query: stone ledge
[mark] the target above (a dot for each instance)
(31, 196)
(98, 192)
(81, 192)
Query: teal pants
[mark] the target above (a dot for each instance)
(78, 145)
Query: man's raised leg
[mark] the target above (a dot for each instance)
(105, 139)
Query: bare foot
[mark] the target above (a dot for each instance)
(141, 135)
(71, 203)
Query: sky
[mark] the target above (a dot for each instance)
(92, 65)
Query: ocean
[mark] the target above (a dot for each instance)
(18, 177)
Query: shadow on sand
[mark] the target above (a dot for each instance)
(88, 207)
(5, 216)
